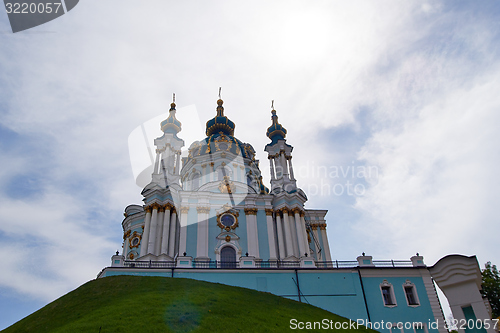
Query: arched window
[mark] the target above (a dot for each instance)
(195, 181)
(227, 257)
(222, 171)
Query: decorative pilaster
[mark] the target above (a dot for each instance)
(174, 225)
(152, 230)
(281, 238)
(304, 231)
(159, 230)
(183, 231)
(126, 243)
(166, 229)
(300, 233)
(288, 233)
(270, 234)
(145, 233)
(326, 246)
(202, 238)
(271, 167)
(289, 158)
(252, 233)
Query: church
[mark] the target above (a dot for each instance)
(209, 216)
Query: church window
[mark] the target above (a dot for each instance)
(388, 294)
(411, 294)
(221, 172)
(195, 181)
(227, 220)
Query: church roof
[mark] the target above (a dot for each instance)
(220, 123)
(276, 131)
(171, 124)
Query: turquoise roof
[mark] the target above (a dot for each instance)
(171, 124)
(276, 131)
(220, 123)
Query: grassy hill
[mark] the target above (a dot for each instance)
(157, 304)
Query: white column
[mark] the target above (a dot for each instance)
(252, 233)
(300, 233)
(292, 177)
(202, 237)
(173, 232)
(178, 170)
(326, 246)
(183, 231)
(271, 167)
(157, 161)
(212, 172)
(152, 230)
(270, 234)
(159, 231)
(304, 232)
(125, 245)
(283, 164)
(293, 229)
(288, 233)
(320, 255)
(145, 233)
(281, 238)
(166, 229)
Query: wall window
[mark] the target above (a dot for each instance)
(388, 294)
(411, 293)
(195, 181)
(221, 172)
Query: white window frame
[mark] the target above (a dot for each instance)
(408, 283)
(386, 283)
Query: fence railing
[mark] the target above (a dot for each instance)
(273, 264)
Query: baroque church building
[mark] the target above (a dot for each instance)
(209, 216)
(212, 207)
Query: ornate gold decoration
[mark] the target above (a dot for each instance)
(251, 211)
(131, 255)
(125, 235)
(195, 150)
(220, 139)
(296, 210)
(302, 213)
(203, 210)
(222, 226)
(184, 210)
(285, 210)
(167, 206)
(308, 236)
(322, 226)
(314, 226)
(148, 209)
(223, 164)
(228, 238)
(161, 209)
(269, 212)
(131, 238)
(226, 186)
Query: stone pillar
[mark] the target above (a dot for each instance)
(152, 230)
(204, 174)
(166, 229)
(271, 167)
(270, 234)
(304, 231)
(202, 237)
(145, 232)
(326, 246)
(300, 232)
(157, 162)
(252, 233)
(178, 164)
(173, 233)
(212, 172)
(288, 233)
(293, 229)
(281, 238)
(126, 244)
(159, 231)
(320, 256)
(292, 177)
(284, 165)
(183, 231)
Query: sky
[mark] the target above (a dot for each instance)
(392, 108)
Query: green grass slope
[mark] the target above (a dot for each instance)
(157, 304)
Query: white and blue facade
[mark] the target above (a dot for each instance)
(208, 216)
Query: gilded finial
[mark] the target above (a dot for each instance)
(172, 105)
